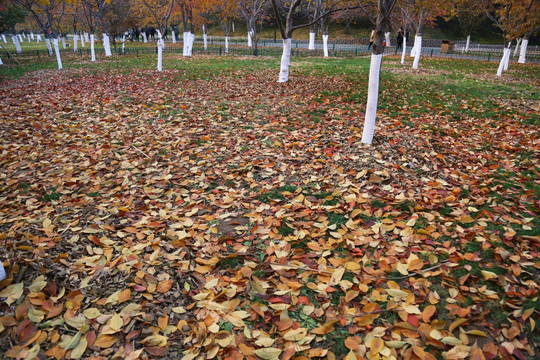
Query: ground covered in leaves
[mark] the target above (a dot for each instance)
(206, 213)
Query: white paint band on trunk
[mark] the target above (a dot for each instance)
(250, 44)
(311, 45)
(57, 51)
(106, 45)
(160, 55)
(75, 41)
(205, 40)
(325, 45)
(49, 47)
(418, 40)
(285, 61)
(523, 51)
(387, 37)
(92, 50)
(404, 50)
(467, 43)
(503, 60)
(372, 100)
(226, 44)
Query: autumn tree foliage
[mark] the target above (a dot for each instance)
(10, 15)
(515, 18)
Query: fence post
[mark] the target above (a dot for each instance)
(489, 56)
(219, 51)
(38, 54)
(334, 47)
(431, 52)
(297, 44)
(356, 52)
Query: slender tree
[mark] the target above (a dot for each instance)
(382, 25)
(253, 12)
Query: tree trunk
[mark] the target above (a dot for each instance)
(249, 42)
(64, 42)
(75, 41)
(226, 43)
(82, 40)
(418, 39)
(507, 60)
(1, 268)
(285, 61)
(404, 51)
(325, 44)
(467, 43)
(57, 51)
(506, 54)
(18, 44)
(387, 38)
(92, 50)
(373, 88)
(49, 47)
(123, 43)
(145, 40)
(38, 38)
(517, 46)
(185, 40)
(106, 45)
(159, 54)
(523, 51)
(4, 38)
(311, 45)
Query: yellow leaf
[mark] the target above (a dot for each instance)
(105, 341)
(179, 310)
(116, 322)
(396, 293)
(395, 344)
(350, 356)
(79, 350)
(377, 344)
(488, 275)
(450, 340)
(268, 353)
(403, 268)
(476, 332)
(351, 294)
(91, 313)
(38, 284)
(295, 335)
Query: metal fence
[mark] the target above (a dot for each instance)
(270, 48)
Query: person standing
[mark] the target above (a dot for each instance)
(399, 39)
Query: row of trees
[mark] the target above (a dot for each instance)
(517, 19)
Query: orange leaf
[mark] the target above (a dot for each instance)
(419, 352)
(164, 286)
(124, 296)
(163, 322)
(105, 341)
(351, 343)
(428, 313)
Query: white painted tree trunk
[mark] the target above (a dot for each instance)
(185, 44)
(4, 38)
(467, 43)
(311, 45)
(82, 40)
(159, 55)
(57, 51)
(372, 99)
(174, 37)
(17, 43)
(233, 26)
(507, 60)
(145, 40)
(523, 51)
(387, 37)
(75, 41)
(285, 61)
(106, 45)
(413, 50)
(418, 40)
(1, 63)
(123, 44)
(20, 38)
(31, 35)
(64, 42)
(205, 40)
(517, 46)
(404, 51)
(191, 42)
(226, 44)
(506, 53)
(38, 38)
(325, 45)
(250, 44)
(86, 37)
(49, 47)
(92, 51)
